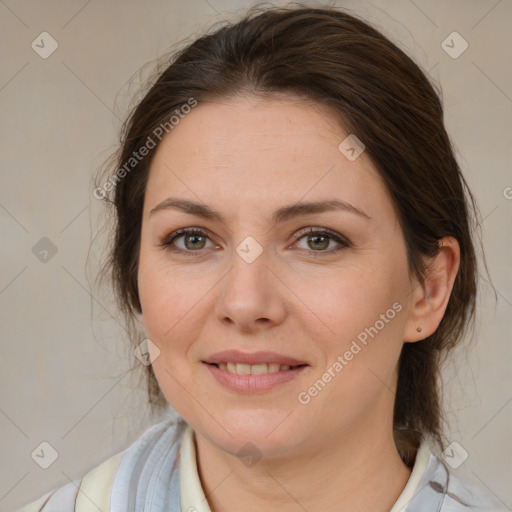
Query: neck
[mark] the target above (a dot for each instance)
(357, 470)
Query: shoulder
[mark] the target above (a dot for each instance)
(97, 484)
(458, 492)
(463, 493)
(94, 486)
(37, 505)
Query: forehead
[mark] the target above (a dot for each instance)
(248, 150)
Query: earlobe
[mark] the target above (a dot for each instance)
(430, 298)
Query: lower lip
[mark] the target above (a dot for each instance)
(253, 383)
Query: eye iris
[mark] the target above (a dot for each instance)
(194, 236)
(325, 238)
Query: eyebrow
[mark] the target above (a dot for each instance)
(280, 215)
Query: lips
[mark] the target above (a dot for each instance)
(254, 358)
(254, 382)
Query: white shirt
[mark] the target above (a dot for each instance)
(194, 500)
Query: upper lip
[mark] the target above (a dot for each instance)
(235, 356)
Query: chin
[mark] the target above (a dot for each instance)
(263, 431)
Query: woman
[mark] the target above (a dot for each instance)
(292, 236)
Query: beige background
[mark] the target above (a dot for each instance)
(63, 365)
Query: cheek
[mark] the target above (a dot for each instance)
(367, 318)
(175, 306)
(172, 317)
(168, 311)
(358, 299)
(366, 311)
(166, 296)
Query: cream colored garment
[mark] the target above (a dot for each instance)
(193, 498)
(90, 491)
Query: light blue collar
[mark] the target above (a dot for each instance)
(148, 476)
(148, 479)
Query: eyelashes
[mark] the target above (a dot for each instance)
(342, 242)
(168, 243)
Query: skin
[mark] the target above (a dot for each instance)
(246, 157)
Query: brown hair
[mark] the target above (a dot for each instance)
(335, 59)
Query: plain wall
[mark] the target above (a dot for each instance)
(63, 365)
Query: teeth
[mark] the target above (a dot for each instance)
(258, 369)
(252, 369)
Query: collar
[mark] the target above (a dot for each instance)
(425, 485)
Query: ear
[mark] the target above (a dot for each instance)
(430, 298)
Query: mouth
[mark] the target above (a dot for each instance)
(254, 378)
(255, 369)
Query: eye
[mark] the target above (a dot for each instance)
(193, 238)
(320, 239)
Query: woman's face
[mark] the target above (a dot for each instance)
(338, 302)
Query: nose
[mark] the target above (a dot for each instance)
(252, 296)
